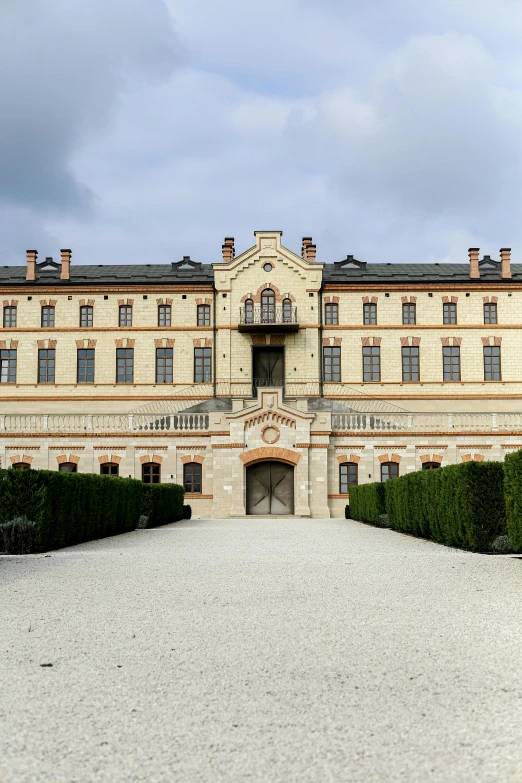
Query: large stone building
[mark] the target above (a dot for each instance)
(267, 382)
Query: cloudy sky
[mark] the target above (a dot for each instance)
(139, 131)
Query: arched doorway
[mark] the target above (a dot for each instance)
(270, 488)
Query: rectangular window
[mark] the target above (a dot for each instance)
(9, 317)
(47, 316)
(409, 315)
(347, 476)
(202, 365)
(46, 365)
(125, 315)
(86, 315)
(410, 363)
(492, 363)
(164, 315)
(204, 315)
(164, 365)
(370, 313)
(192, 477)
(8, 366)
(449, 312)
(451, 362)
(371, 363)
(332, 363)
(389, 470)
(331, 313)
(85, 365)
(490, 313)
(124, 365)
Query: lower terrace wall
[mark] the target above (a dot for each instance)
(222, 468)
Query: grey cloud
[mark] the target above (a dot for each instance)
(65, 65)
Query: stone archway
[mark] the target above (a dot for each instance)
(269, 488)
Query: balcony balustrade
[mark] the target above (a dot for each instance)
(199, 422)
(268, 319)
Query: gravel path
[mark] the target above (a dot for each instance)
(261, 650)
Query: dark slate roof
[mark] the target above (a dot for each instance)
(114, 274)
(352, 271)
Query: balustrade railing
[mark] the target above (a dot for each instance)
(269, 314)
(106, 423)
(426, 422)
(199, 422)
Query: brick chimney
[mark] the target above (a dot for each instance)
(228, 249)
(310, 252)
(32, 255)
(66, 265)
(306, 241)
(474, 271)
(505, 259)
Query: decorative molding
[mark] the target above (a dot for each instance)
(271, 416)
(269, 453)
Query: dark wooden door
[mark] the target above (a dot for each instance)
(270, 489)
(268, 367)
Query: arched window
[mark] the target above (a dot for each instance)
(430, 465)
(249, 311)
(192, 477)
(389, 470)
(150, 473)
(68, 467)
(287, 311)
(347, 476)
(268, 306)
(21, 466)
(110, 469)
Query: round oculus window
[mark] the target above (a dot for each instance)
(270, 434)
(268, 267)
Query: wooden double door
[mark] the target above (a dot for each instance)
(270, 489)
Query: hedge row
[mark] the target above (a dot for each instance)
(367, 502)
(513, 495)
(460, 505)
(42, 510)
(162, 503)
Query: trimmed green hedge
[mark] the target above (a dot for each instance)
(513, 495)
(162, 503)
(187, 512)
(367, 502)
(460, 505)
(69, 508)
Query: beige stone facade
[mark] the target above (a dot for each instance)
(260, 358)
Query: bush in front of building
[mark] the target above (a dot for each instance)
(162, 503)
(459, 505)
(42, 510)
(187, 512)
(513, 495)
(367, 502)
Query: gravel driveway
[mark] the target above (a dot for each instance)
(261, 650)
